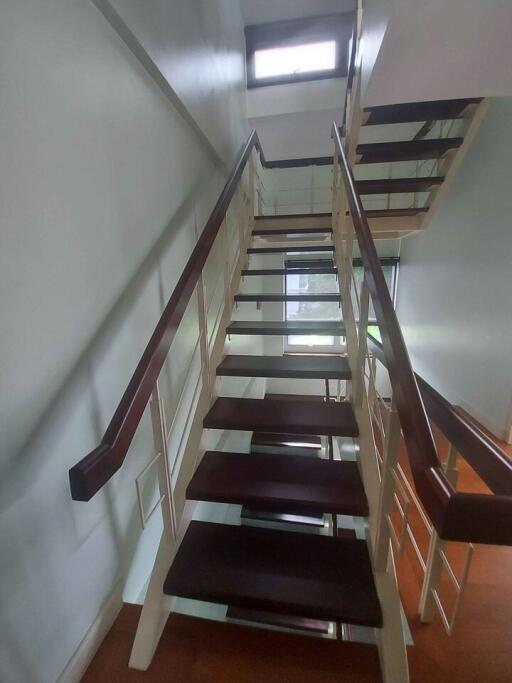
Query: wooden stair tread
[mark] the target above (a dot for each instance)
(281, 620)
(296, 397)
(398, 185)
(291, 216)
(306, 367)
(371, 213)
(406, 150)
(290, 483)
(334, 296)
(268, 327)
(291, 231)
(406, 112)
(290, 249)
(314, 270)
(306, 575)
(395, 213)
(294, 417)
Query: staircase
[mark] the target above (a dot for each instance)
(290, 561)
(426, 143)
(268, 575)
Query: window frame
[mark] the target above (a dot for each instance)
(337, 27)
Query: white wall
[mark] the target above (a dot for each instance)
(454, 302)
(104, 182)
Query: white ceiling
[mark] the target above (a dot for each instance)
(262, 11)
(437, 49)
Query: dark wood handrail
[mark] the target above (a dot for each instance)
(96, 468)
(455, 515)
(492, 464)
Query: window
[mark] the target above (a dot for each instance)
(306, 283)
(300, 283)
(297, 59)
(298, 50)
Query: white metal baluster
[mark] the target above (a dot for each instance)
(202, 313)
(364, 305)
(450, 465)
(156, 609)
(436, 552)
(387, 488)
(160, 443)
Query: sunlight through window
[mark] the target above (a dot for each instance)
(296, 59)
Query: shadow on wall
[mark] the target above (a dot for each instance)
(19, 472)
(53, 580)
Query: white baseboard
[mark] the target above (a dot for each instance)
(83, 655)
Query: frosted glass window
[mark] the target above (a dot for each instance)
(296, 59)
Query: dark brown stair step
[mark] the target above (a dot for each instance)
(291, 231)
(407, 150)
(335, 297)
(281, 620)
(304, 367)
(294, 417)
(296, 397)
(321, 270)
(371, 213)
(314, 217)
(289, 249)
(437, 110)
(398, 185)
(279, 483)
(299, 163)
(262, 327)
(295, 517)
(396, 213)
(307, 575)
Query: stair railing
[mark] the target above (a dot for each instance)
(229, 238)
(455, 515)
(464, 438)
(448, 513)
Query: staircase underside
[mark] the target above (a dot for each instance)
(262, 298)
(281, 620)
(292, 444)
(384, 223)
(439, 110)
(267, 327)
(407, 150)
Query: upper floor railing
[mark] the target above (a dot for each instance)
(487, 459)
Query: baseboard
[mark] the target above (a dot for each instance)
(488, 423)
(83, 655)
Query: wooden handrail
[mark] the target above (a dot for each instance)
(96, 468)
(492, 464)
(455, 515)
